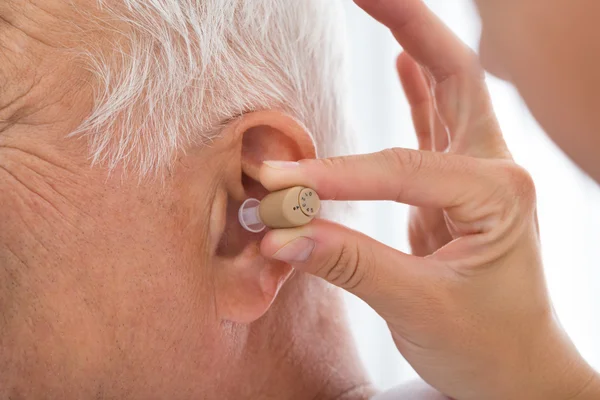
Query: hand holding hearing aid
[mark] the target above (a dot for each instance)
(469, 309)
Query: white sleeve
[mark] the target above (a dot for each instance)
(416, 390)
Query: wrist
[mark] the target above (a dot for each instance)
(591, 389)
(561, 372)
(580, 382)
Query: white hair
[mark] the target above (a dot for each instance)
(181, 69)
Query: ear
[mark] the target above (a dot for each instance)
(272, 135)
(247, 283)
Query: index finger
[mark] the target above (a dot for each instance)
(418, 178)
(423, 35)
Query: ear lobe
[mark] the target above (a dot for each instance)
(247, 283)
(249, 287)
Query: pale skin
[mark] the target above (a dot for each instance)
(469, 309)
(112, 287)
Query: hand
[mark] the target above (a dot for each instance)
(427, 228)
(453, 104)
(473, 315)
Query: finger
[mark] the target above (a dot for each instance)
(385, 278)
(423, 36)
(418, 178)
(440, 139)
(461, 96)
(419, 98)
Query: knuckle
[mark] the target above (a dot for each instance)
(403, 159)
(344, 269)
(473, 64)
(521, 184)
(467, 68)
(410, 162)
(471, 67)
(327, 168)
(329, 163)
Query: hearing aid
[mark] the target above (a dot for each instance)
(286, 208)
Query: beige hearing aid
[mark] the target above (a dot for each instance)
(286, 208)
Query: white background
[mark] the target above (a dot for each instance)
(569, 202)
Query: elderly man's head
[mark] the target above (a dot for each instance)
(130, 132)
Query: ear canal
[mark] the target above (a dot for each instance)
(289, 208)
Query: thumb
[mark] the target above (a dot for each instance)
(383, 277)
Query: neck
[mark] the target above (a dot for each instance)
(300, 350)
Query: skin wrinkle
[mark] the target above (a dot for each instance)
(27, 14)
(62, 166)
(38, 40)
(30, 194)
(28, 185)
(15, 255)
(27, 115)
(9, 285)
(32, 80)
(10, 109)
(65, 200)
(46, 108)
(31, 233)
(15, 100)
(37, 194)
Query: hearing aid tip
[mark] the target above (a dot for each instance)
(249, 217)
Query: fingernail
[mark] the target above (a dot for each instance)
(282, 164)
(298, 250)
